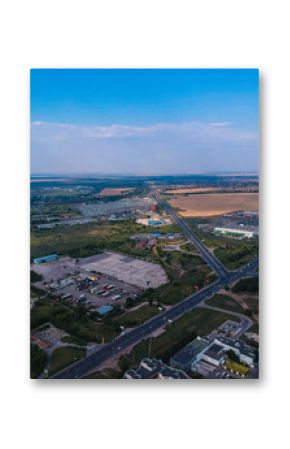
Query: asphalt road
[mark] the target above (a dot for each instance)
(210, 258)
(226, 277)
(82, 367)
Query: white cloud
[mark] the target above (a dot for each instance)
(195, 131)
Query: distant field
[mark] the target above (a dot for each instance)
(206, 205)
(194, 190)
(115, 191)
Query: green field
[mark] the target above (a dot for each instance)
(53, 211)
(188, 247)
(254, 328)
(225, 302)
(178, 334)
(73, 321)
(234, 257)
(38, 361)
(62, 357)
(136, 317)
(247, 285)
(88, 239)
(185, 271)
(73, 340)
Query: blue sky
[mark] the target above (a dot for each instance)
(144, 121)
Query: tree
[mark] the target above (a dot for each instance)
(123, 363)
(150, 301)
(233, 356)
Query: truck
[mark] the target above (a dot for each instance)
(114, 298)
(66, 296)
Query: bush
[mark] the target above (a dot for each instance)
(247, 285)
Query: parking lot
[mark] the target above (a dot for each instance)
(127, 269)
(71, 282)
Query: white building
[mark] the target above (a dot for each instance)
(241, 232)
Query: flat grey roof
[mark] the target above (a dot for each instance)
(190, 351)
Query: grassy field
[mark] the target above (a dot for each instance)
(73, 340)
(106, 373)
(136, 317)
(88, 239)
(253, 304)
(254, 328)
(178, 334)
(225, 302)
(73, 321)
(234, 257)
(232, 252)
(206, 205)
(189, 247)
(178, 288)
(38, 360)
(63, 357)
(247, 285)
(212, 240)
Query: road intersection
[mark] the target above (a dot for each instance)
(225, 277)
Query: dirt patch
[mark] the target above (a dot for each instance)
(116, 191)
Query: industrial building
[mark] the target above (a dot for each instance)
(189, 355)
(116, 207)
(232, 231)
(246, 353)
(205, 356)
(214, 355)
(154, 369)
(46, 259)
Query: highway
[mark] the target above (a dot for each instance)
(95, 359)
(210, 258)
(92, 361)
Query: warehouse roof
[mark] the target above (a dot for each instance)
(190, 351)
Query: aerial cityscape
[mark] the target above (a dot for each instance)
(144, 199)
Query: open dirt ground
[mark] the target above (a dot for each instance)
(207, 205)
(115, 191)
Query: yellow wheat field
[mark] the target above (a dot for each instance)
(207, 205)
